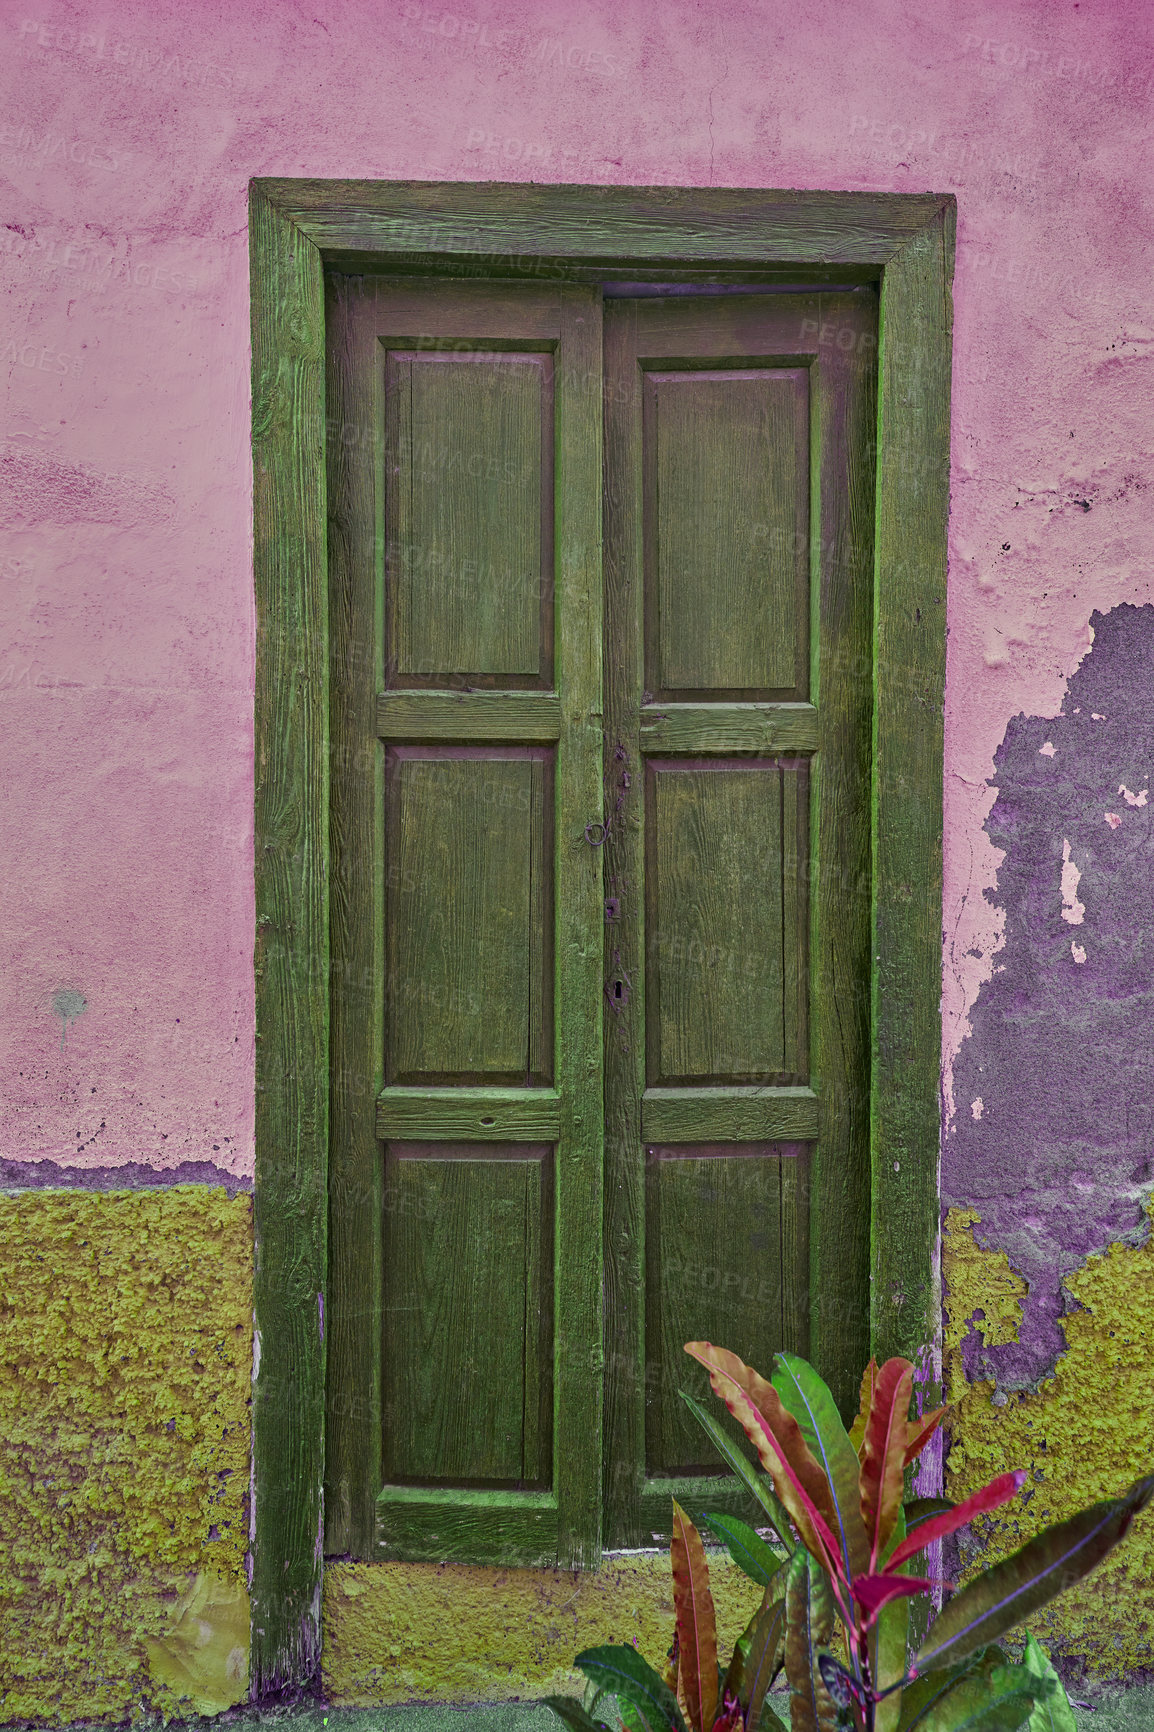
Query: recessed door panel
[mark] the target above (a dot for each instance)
(725, 922)
(468, 1324)
(727, 1257)
(469, 444)
(727, 532)
(468, 981)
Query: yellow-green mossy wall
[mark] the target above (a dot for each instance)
(124, 1451)
(1086, 1433)
(461, 1633)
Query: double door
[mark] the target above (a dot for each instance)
(600, 626)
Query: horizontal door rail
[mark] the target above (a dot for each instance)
(706, 728)
(725, 1115)
(465, 716)
(468, 1115)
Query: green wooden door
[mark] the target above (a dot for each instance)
(464, 473)
(738, 534)
(600, 907)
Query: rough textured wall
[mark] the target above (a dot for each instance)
(1082, 1434)
(126, 1323)
(447, 1633)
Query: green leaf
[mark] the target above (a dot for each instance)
(806, 1397)
(745, 1471)
(770, 1720)
(1009, 1592)
(569, 1709)
(1052, 1713)
(989, 1697)
(747, 1548)
(764, 1642)
(622, 1671)
(809, 1616)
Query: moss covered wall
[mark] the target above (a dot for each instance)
(451, 1633)
(124, 1450)
(1084, 1433)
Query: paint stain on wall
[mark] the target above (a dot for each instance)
(1059, 1161)
(124, 1446)
(68, 1004)
(1085, 1433)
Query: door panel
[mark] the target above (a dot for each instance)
(717, 1007)
(468, 929)
(464, 1305)
(469, 458)
(726, 474)
(468, 1322)
(727, 1258)
(738, 681)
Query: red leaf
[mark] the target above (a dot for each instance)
(919, 1437)
(696, 1623)
(874, 1592)
(999, 1491)
(883, 1452)
(775, 1434)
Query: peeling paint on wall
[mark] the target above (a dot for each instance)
(1059, 1157)
(124, 1441)
(1085, 1433)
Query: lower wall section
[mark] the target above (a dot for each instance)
(124, 1451)
(1084, 1433)
(455, 1633)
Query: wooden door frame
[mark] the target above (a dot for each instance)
(904, 243)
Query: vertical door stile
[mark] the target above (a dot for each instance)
(579, 912)
(624, 929)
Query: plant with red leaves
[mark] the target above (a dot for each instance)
(835, 1499)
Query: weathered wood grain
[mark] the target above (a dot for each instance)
(713, 1235)
(468, 1114)
(467, 1314)
(464, 982)
(469, 509)
(352, 1422)
(730, 1115)
(701, 729)
(450, 1525)
(463, 717)
(714, 922)
(910, 567)
(726, 531)
(511, 224)
(291, 961)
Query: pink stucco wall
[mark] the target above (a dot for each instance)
(127, 139)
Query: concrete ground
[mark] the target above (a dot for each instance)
(1113, 1710)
